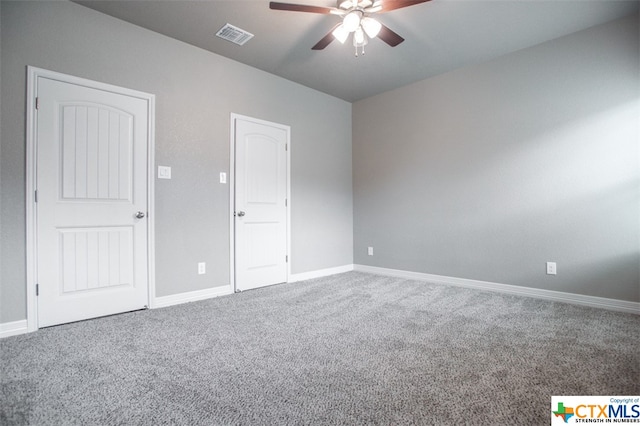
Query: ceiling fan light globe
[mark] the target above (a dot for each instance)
(358, 37)
(341, 34)
(362, 43)
(371, 27)
(351, 22)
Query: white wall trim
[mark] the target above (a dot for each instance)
(30, 184)
(320, 273)
(13, 328)
(33, 73)
(192, 296)
(151, 200)
(557, 296)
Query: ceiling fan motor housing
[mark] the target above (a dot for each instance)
(354, 4)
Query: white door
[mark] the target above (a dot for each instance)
(260, 203)
(91, 181)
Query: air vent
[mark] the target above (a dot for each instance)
(234, 34)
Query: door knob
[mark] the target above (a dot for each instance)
(240, 214)
(140, 215)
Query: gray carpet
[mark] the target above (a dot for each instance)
(348, 349)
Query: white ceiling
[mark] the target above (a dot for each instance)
(441, 35)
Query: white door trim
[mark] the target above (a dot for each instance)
(33, 74)
(232, 191)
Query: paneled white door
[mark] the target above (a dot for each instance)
(91, 181)
(260, 203)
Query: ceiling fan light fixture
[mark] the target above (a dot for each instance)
(355, 18)
(351, 22)
(371, 27)
(341, 34)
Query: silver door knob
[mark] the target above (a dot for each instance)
(140, 215)
(240, 214)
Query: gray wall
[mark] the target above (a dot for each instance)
(195, 93)
(489, 171)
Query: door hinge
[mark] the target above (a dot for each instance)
(285, 202)
(286, 258)
(36, 195)
(286, 147)
(37, 103)
(37, 289)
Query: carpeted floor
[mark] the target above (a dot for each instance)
(353, 348)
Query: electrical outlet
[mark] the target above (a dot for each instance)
(551, 268)
(202, 268)
(370, 251)
(223, 177)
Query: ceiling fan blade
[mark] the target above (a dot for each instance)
(326, 40)
(389, 36)
(300, 8)
(389, 5)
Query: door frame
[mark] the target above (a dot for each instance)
(232, 192)
(33, 73)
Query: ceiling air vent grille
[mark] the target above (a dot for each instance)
(234, 34)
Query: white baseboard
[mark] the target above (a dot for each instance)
(191, 296)
(319, 273)
(13, 328)
(558, 296)
(20, 327)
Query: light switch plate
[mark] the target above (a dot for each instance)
(223, 177)
(164, 172)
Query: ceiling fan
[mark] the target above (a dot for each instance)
(356, 20)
